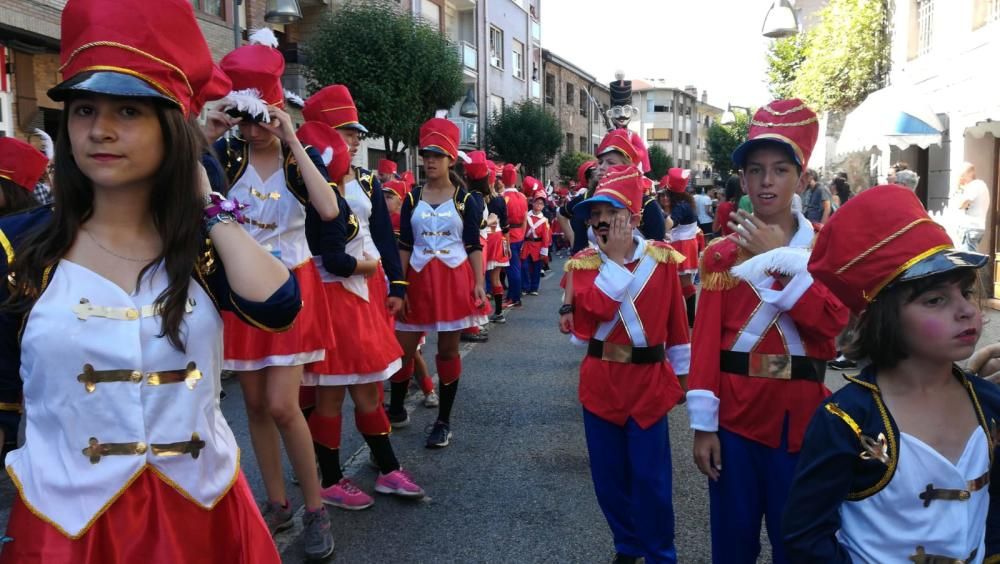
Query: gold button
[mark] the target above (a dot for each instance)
(140, 448)
(136, 376)
(964, 495)
(718, 256)
(131, 314)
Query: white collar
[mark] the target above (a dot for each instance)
(804, 235)
(511, 189)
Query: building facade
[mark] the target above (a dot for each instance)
(667, 117)
(708, 115)
(574, 97)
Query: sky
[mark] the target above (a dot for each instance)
(714, 45)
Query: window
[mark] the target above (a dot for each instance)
(925, 26)
(517, 59)
(496, 47)
(687, 138)
(569, 142)
(211, 7)
(496, 104)
(431, 13)
(569, 94)
(550, 88)
(583, 104)
(658, 134)
(583, 144)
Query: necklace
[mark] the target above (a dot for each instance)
(114, 254)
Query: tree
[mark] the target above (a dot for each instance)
(723, 140)
(659, 161)
(838, 62)
(570, 162)
(398, 68)
(525, 133)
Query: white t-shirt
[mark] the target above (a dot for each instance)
(702, 204)
(978, 196)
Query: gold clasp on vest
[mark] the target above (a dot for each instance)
(931, 493)
(190, 376)
(436, 233)
(85, 310)
(192, 447)
(261, 225)
(921, 557)
(90, 378)
(436, 252)
(95, 449)
(775, 366)
(265, 196)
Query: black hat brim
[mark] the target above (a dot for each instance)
(109, 83)
(941, 262)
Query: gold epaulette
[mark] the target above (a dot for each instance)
(663, 253)
(587, 259)
(719, 256)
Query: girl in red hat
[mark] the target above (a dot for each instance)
(497, 248)
(128, 457)
(684, 232)
(281, 181)
(899, 465)
(21, 168)
(439, 245)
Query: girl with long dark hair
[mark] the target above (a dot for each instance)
(128, 457)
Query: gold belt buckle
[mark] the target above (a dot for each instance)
(616, 353)
(774, 366)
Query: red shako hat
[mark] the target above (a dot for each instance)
(856, 257)
(397, 187)
(790, 123)
(108, 47)
(529, 185)
(334, 106)
(539, 195)
(619, 140)
(385, 166)
(676, 179)
(477, 167)
(331, 146)
(583, 171)
(259, 67)
(21, 163)
(509, 175)
(440, 135)
(493, 172)
(621, 186)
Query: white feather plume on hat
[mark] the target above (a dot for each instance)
(47, 146)
(264, 36)
(294, 99)
(247, 101)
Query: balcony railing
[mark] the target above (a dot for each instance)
(469, 55)
(469, 131)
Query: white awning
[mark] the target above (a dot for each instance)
(892, 116)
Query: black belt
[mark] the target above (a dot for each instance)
(775, 366)
(626, 353)
(532, 238)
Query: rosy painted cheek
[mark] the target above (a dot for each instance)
(933, 329)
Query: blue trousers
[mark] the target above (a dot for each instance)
(631, 470)
(753, 485)
(531, 274)
(514, 273)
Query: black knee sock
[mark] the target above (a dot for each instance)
(690, 301)
(498, 303)
(382, 452)
(329, 464)
(397, 396)
(448, 392)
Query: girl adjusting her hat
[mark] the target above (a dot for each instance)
(897, 466)
(441, 255)
(279, 180)
(127, 456)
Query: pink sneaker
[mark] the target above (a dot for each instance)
(400, 483)
(345, 495)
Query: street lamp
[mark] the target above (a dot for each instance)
(469, 107)
(780, 20)
(282, 12)
(729, 117)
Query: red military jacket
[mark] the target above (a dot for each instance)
(537, 237)
(517, 211)
(639, 304)
(752, 312)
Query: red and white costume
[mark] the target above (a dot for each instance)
(683, 236)
(537, 237)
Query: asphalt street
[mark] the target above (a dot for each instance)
(514, 486)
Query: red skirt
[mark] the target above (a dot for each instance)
(366, 341)
(151, 523)
(250, 348)
(440, 299)
(497, 251)
(688, 248)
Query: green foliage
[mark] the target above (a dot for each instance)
(569, 162)
(525, 133)
(838, 62)
(659, 161)
(723, 140)
(399, 69)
